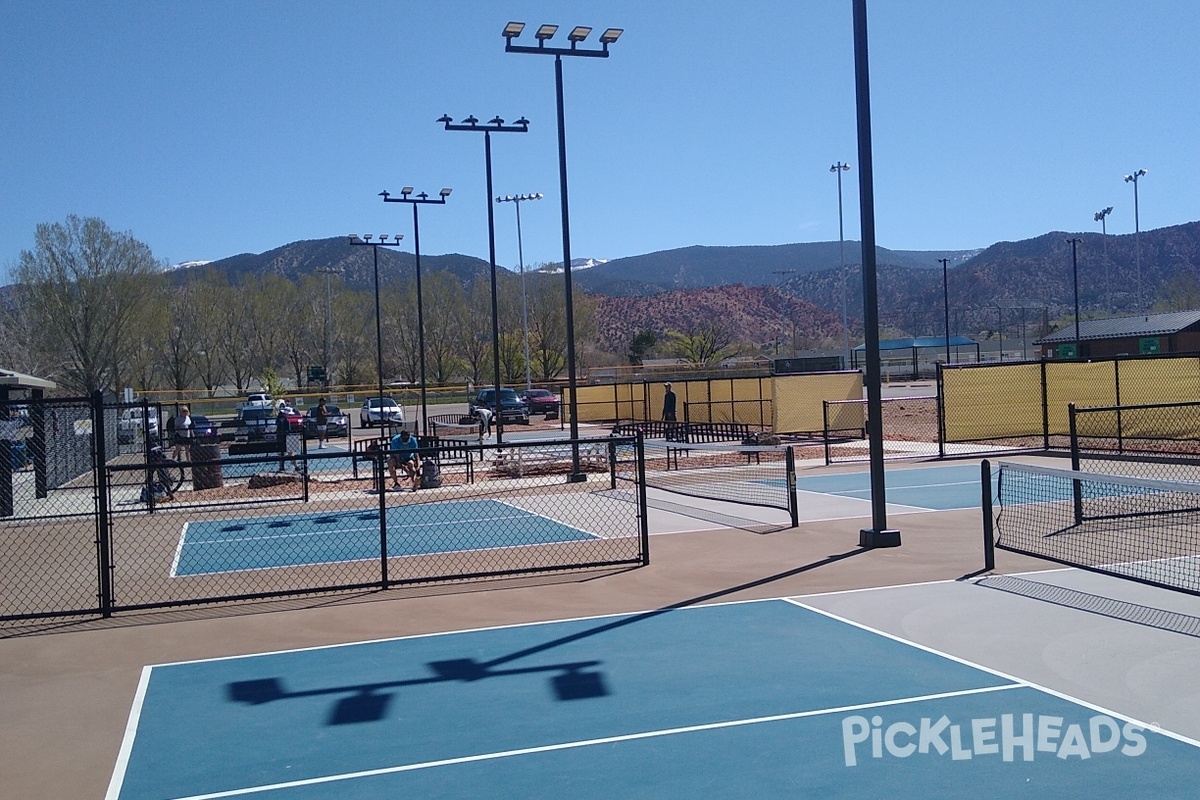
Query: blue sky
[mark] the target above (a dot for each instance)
(216, 128)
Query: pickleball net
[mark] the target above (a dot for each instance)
(451, 430)
(1137, 528)
(749, 475)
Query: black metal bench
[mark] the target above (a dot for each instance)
(444, 452)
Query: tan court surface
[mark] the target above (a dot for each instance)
(66, 688)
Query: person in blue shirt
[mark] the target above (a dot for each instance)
(404, 455)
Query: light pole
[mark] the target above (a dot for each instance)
(416, 201)
(494, 125)
(365, 241)
(1075, 281)
(516, 200)
(577, 35)
(782, 273)
(1100, 216)
(1137, 234)
(946, 304)
(839, 168)
(327, 271)
(1000, 325)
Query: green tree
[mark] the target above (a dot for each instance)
(641, 346)
(86, 287)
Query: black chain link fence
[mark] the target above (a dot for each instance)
(117, 531)
(1159, 440)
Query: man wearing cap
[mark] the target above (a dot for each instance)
(668, 404)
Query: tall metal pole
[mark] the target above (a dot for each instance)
(1075, 282)
(494, 125)
(379, 340)
(420, 199)
(487, 155)
(517, 200)
(524, 302)
(1100, 216)
(946, 304)
(420, 319)
(577, 474)
(328, 321)
(1137, 235)
(839, 168)
(383, 242)
(879, 535)
(576, 37)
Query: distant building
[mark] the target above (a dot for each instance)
(1177, 332)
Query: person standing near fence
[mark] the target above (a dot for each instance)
(181, 428)
(283, 430)
(322, 418)
(668, 413)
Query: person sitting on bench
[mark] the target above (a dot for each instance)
(404, 454)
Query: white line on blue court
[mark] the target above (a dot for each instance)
(135, 715)
(627, 737)
(1021, 681)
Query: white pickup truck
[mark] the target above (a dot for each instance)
(258, 400)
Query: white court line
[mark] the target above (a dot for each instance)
(998, 673)
(135, 715)
(179, 550)
(627, 737)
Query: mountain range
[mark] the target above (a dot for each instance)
(752, 288)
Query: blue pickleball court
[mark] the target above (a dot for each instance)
(286, 540)
(767, 698)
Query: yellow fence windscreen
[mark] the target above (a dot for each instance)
(1078, 382)
(992, 402)
(799, 401)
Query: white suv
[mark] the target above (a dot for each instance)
(375, 411)
(132, 426)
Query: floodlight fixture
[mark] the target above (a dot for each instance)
(406, 191)
(610, 35)
(445, 192)
(513, 29)
(546, 32)
(579, 33)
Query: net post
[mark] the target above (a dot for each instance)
(643, 509)
(381, 488)
(612, 464)
(825, 427)
(989, 542)
(793, 502)
(1076, 486)
(103, 517)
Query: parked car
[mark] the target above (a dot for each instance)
(338, 423)
(377, 411)
(541, 401)
(258, 400)
(132, 426)
(255, 424)
(512, 407)
(204, 430)
(295, 419)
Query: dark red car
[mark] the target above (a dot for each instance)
(541, 401)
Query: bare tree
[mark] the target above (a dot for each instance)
(703, 342)
(85, 286)
(446, 315)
